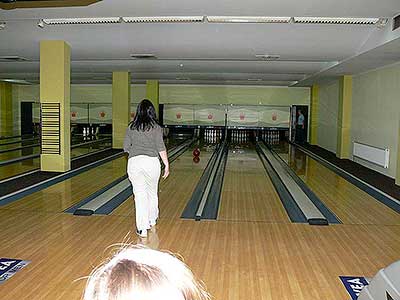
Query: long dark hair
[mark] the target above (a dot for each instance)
(145, 117)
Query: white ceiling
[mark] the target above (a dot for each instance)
(210, 53)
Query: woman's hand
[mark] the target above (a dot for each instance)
(166, 172)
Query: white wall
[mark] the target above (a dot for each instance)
(227, 94)
(376, 112)
(327, 115)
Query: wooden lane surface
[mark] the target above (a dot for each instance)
(19, 168)
(248, 194)
(348, 202)
(18, 153)
(236, 260)
(61, 196)
(34, 163)
(175, 192)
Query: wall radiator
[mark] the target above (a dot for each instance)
(378, 156)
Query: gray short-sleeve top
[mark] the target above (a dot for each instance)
(148, 142)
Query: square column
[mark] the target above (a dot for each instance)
(152, 93)
(6, 110)
(121, 101)
(314, 101)
(344, 117)
(55, 74)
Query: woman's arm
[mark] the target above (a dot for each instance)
(127, 141)
(164, 158)
(162, 151)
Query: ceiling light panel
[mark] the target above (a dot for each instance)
(338, 21)
(82, 21)
(164, 19)
(249, 19)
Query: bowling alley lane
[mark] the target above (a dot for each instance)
(248, 193)
(63, 195)
(175, 191)
(19, 168)
(348, 202)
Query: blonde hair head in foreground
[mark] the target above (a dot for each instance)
(139, 273)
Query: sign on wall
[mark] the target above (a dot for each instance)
(100, 113)
(209, 115)
(79, 113)
(274, 116)
(178, 115)
(243, 116)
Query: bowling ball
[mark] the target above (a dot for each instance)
(196, 159)
(196, 152)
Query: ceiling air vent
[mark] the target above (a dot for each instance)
(12, 58)
(396, 22)
(143, 56)
(268, 56)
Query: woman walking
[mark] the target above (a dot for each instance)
(144, 143)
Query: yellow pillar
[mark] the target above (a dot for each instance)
(314, 114)
(121, 101)
(152, 92)
(344, 117)
(6, 109)
(55, 73)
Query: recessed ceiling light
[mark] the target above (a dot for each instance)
(143, 56)
(247, 19)
(181, 65)
(164, 19)
(337, 20)
(82, 21)
(268, 56)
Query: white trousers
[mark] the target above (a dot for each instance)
(144, 174)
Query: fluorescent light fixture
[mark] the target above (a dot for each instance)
(164, 19)
(40, 24)
(13, 58)
(248, 19)
(182, 78)
(268, 56)
(143, 56)
(338, 21)
(82, 21)
(16, 81)
(254, 79)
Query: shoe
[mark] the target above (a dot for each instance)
(142, 233)
(153, 223)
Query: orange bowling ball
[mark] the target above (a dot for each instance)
(196, 159)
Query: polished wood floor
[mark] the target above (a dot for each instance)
(349, 203)
(65, 194)
(176, 190)
(250, 252)
(248, 194)
(236, 260)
